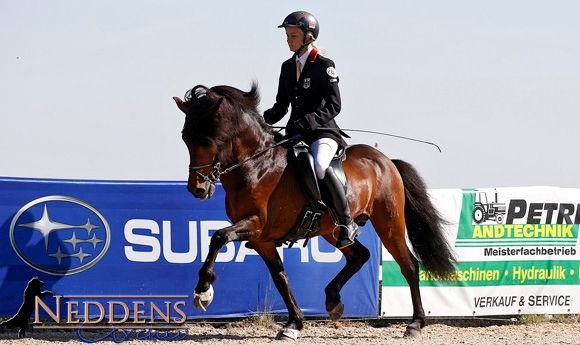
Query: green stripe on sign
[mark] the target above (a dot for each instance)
(495, 273)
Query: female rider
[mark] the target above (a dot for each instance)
(309, 84)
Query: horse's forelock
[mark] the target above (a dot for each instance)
(201, 101)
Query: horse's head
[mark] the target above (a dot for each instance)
(213, 120)
(198, 132)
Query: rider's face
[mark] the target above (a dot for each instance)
(294, 37)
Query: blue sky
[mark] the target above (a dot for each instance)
(86, 86)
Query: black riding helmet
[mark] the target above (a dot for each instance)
(303, 20)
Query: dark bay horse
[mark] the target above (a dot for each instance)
(227, 139)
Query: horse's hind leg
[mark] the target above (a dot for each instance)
(356, 256)
(396, 245)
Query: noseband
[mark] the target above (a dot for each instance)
(213, 176)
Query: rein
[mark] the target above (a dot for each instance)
(215, 174)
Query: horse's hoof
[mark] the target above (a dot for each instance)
(287, 334)
(412, 333)
(336, 312)
(203, 299)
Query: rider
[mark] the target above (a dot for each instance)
(309, 83)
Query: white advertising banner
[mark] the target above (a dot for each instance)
(517, 253)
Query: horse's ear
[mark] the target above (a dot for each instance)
(180, 104)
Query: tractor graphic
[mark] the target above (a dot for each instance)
(484, 210)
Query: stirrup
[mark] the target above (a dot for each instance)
(346, 239)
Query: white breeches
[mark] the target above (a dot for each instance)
(323, 151)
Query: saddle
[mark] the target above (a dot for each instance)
(308, 224)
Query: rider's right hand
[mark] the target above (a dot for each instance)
(270, 116)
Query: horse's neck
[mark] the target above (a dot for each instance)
(257, 158)
(255, 154)
(252, 142)
(256, 149)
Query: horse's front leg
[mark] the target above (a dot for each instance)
(269, 254)
(356, 256)
(240, 231)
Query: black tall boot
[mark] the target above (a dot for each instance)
(348, 228)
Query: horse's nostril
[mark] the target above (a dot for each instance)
(196, 191)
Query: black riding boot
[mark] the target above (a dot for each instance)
(348, 228)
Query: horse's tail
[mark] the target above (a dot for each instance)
(425, 224)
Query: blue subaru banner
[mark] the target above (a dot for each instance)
(130, 250)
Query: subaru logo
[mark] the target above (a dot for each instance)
(60, 235)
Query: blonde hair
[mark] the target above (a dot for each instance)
(321, 51)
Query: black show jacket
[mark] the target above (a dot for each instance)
(314, 97)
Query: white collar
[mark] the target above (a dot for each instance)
(304, 57)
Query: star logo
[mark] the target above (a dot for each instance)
(60, 235)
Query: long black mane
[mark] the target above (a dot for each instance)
(216, 115)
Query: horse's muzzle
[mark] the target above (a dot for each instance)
(201, 191)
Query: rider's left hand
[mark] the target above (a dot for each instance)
(298, 126)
